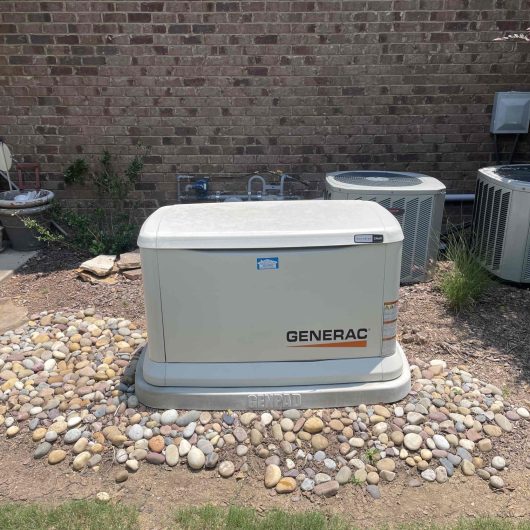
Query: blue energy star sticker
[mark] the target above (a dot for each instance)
(267, 264)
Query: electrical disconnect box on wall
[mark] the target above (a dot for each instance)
(271, 305)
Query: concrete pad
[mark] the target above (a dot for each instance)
(11, 315)
(11, 260)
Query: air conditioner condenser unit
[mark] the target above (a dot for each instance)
(271, 305)
(501, 221)
(417, 202)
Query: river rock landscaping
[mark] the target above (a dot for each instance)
(67, 390)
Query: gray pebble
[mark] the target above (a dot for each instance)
(240, 434)
(322, 477)
(42, 450)
(307, 484)
(187, 418)
(72, 436)
(496, 482)
(373, 491)
(189, 430)
(446, 463)
(168, 417)
(454, 459)
(344, 475)
(498, 463)
(211, 460)
(273, 459)
(320, 456)
(310, 473)
(330, 464)
(51, 436)
(429, 475)
(292, 414)
(464, 454)
(135, 432)
(205, 446)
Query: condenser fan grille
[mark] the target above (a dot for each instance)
(521, 173)
(415, 217)
(415, 200)
(378, 179)
(526, 269)
(489, 223)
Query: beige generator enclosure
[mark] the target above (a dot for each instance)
(271, 305)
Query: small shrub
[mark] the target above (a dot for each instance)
(465, 281)
(110, 226)
(76, 172)
(99, 231)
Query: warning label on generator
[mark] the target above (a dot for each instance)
(390, 311)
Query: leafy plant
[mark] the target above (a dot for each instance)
(465, 281)
(113, 185)
(356, 482)
(370, 454)
(109, 226)
(76, 172)
(42, 232)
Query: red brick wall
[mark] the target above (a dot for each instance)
(228, 87)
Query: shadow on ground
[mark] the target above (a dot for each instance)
(500, 325)
(53, 258)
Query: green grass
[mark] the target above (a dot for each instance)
(74, 515)
(237, 518)
(481, 523)
(466, 281)
(92, 515)
(370, 454)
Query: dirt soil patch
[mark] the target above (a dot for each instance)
(492, 341)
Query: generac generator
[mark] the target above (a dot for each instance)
(271, 305)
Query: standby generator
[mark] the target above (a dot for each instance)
(271, 305)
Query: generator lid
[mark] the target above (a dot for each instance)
(268, 224)
(384, 182)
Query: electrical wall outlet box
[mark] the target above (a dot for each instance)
(511, 113)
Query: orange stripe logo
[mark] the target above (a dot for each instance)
(349, 344)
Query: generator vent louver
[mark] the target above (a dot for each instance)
(415, 200)
(489, 221)
(501, 221)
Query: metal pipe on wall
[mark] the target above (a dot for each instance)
(459, 197)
